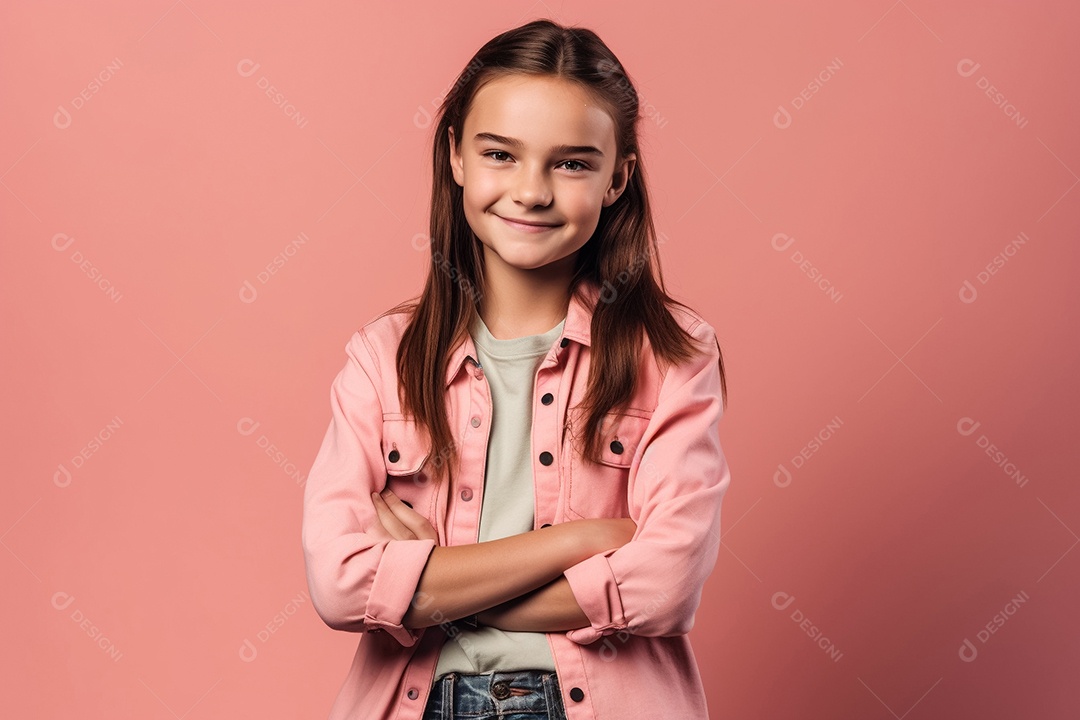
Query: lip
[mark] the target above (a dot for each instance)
(529, 226)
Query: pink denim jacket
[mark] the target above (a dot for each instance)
(662, 466)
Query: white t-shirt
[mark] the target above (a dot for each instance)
(508, 507)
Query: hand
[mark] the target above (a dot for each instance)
(398, 521)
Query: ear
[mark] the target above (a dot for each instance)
(620, 178)
(456, 164)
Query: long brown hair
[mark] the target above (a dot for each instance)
(623, 243)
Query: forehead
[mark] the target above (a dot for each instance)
(541, 112)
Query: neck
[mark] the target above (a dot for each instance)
(518, 302)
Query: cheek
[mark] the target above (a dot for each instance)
(584, 206)
(481, 189)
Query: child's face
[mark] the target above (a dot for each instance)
(536, 181)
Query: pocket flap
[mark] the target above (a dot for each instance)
(621, 436)
(405, 446)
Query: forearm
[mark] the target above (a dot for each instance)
(460, 580)
(550, 608)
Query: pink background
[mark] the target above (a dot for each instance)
(832, 181)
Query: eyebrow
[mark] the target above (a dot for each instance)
(556, 150)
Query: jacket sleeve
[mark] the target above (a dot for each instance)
(357, 582)
(678, 477)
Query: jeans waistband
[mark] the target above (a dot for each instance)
(495, 693)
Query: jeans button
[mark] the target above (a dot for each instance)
(500, 690)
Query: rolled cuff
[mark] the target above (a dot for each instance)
(596, 591)
(394, 585)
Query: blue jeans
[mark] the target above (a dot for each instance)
(512, 695)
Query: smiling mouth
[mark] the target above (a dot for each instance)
(527, 227)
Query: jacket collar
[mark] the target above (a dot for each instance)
(577, 327)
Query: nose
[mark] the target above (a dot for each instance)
(531, 187)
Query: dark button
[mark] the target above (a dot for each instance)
(547, 399)
(546, 525)
(466, 494)
(616, 447)
(546, 458)
(413, 693)
(501, 690)
(394, 455)
(565, 342)
(407, 503)
(576, 694)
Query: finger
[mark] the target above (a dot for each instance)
(414, 521)
(379, 532)
(390, 521)
(376, 528)
(404, 512)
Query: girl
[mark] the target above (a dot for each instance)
(546, 417)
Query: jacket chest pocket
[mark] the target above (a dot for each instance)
(405, 450)
(599, 490)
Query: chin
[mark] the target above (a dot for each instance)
(526, 263)
(524, 260)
